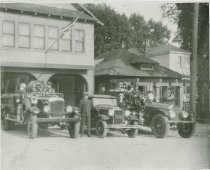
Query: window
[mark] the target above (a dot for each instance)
(39, 37)
(52, 36)
(8, 34)
(146, 67)
(66, 41)
(180, 61)
(79, 41)
(24, 35)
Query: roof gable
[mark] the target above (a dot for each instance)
(165, 49)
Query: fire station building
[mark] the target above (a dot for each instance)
(47, 43)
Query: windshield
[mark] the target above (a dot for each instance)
(102, 101)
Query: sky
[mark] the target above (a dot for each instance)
(150, 10)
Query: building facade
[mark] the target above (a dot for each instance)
(48, 44)
(121, 69)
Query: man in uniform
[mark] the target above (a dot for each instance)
(49, 88)
(85, 110)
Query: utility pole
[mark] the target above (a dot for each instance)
(193, 79)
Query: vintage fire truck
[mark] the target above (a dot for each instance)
(45, 109)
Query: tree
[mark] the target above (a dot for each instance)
(182, 13)
(119, 28)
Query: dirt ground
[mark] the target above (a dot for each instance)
(54, 149)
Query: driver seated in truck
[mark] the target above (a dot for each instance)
(22, 90)
(49, 88)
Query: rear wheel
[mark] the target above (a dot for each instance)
(101, 128)
(132, 132)
(186, 130)
(74, 128)
(160, 126)
(32, 126)
(6, 124)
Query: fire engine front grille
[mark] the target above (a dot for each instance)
(57, 108)
(118, 116)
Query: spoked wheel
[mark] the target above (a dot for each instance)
(186, 130)
(74, 128)
(132, 132)
(160, 126)
(101, 128)
(32, 126)
(6, 124)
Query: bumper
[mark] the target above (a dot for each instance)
(181, 121)
(123, 126)
(57, 119)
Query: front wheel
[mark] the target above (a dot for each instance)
(32, 126)
(160, 126)
(132, 132)
(6, 124)
(74, 129)
(186, 130)
(101, 128)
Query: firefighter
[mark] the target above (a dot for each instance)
(85, 110)
(49, 88)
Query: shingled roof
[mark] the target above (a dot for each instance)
(120, 63)
(45, 10)
(165, 49)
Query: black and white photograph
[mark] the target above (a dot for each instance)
(104, 84)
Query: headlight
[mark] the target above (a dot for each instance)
(111, 113)
(46, 109)
(34, 100)
(69, 109)
(127, 113)
(17, 100)
(184, 114)
(172, 114)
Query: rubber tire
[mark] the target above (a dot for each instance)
(32, 126)
(165, 123)
(6, 124)
(103, 132)
(183, 133)
(132, 132)
(74, 129)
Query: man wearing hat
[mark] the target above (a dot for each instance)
(85, 110)
(49, 88)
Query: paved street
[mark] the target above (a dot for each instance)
(53, 149)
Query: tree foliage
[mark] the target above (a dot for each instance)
(182, 14)
(119, 28)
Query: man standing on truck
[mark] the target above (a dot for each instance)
(49, 88)
(85, 110)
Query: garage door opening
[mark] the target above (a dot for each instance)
(10, 81)
(72, 87)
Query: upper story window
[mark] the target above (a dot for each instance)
(8, 34)
(180, 61)
(53, 38)
(66, 41)
(24, 35)
(146, 67)
(79, 40)
(39, 37)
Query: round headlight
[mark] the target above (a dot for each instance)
(17, 100)
(111, 113)
(69, 109)
(34, 100)
(46, 109)
(185, 114)
(127, 113)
